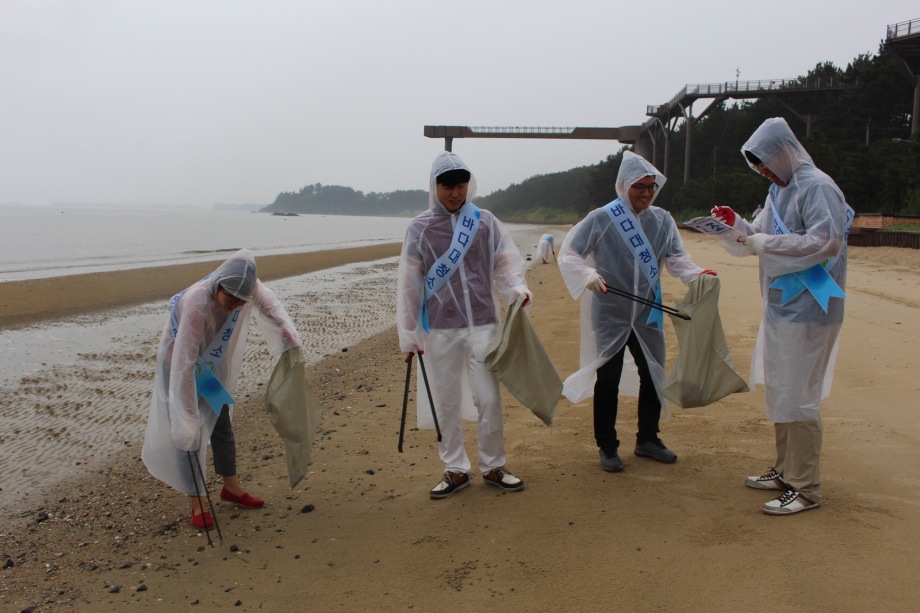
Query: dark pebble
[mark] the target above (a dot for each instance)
(9, 563)
(307, 509)
(234, 548)
(142, 588)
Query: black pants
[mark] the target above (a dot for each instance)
(605, 398)
(223, 445)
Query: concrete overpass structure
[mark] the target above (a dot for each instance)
(904, 39)
(628, 135)
(665, 118)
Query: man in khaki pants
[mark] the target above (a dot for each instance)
(799, 237)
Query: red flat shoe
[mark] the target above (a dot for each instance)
(246, 501)
(202, 520)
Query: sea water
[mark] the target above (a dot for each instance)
(44, 241)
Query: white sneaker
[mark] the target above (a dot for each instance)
(771, 480)
(789, 503)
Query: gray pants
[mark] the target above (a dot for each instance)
(223, 445)
(798, 456)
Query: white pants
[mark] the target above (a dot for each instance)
(454, 361)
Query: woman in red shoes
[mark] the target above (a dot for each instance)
(198, 366)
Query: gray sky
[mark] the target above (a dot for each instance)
(205, 101)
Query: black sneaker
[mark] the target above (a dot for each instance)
(451, 483)
(503, 479)
(610, 462)
(656, 450)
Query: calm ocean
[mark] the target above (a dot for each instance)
(38, 242)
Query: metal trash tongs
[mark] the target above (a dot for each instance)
(646, 302)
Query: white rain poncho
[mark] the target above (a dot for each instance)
(607, 319)
(797, 343)
(466, 310)
(545, 248)
(179, 419)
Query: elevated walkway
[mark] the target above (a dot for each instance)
(665, 116)
(625, 134)
(904, 39)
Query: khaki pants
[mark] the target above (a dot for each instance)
(798, 456)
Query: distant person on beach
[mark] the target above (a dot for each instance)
(456, 260)
(545, 248)
(800, 239)
(207, 329)
(624, 245)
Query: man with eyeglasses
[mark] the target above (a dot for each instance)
(624, 245)
(800, 239)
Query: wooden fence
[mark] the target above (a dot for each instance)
(865, 238)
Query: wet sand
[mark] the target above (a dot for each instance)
(28, 302)
(681, 537)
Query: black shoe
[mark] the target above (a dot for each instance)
(656, 450)
(610, 462)
(451, 483)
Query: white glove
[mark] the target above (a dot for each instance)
(185, 433)
(597, 284)
(289, 338)
(756, 242)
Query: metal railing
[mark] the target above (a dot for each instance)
(519, 130)
(749, 87)
(905, 28)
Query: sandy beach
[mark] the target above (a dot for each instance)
(361, 534)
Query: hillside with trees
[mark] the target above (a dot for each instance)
(321, 199)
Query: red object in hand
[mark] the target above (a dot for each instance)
(709, 272)
(725, 214)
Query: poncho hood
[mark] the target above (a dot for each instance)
(447, 161)
(777, 147)
(634, 168)
(237, 275)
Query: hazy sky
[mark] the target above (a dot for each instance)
(206, 101)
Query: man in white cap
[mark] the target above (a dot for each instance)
(455, 260)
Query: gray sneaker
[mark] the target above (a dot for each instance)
(656, 450)
(611, 463)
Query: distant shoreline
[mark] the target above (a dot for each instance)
(27, 302)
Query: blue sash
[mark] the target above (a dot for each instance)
(816, 279)
(445, 266)
(630, 230)
(206, 382)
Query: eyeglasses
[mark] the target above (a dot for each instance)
(644, 188)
